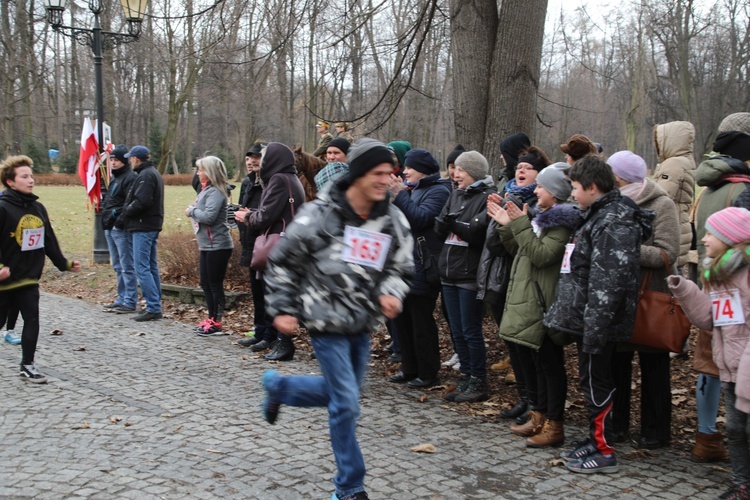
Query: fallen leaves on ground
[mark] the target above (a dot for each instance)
(424, 448)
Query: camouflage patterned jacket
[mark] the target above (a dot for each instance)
(309, 279)
(597, 299)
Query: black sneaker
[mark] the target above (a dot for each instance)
(594, 463)
(148, 316)
(582, 449)
(122, 310)
(476, 391)
(111, 306)
(29, 373)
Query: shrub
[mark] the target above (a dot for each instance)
(38, 155)
(178, 262)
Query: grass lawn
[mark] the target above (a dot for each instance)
(74, 225)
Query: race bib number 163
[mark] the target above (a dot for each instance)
(366, 248)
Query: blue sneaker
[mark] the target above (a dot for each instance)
(270, 404)
(12, 337)
(594, 463)
(360, 495)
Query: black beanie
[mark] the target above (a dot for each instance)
(366, 154)
(512, 146)
(422, 161)
(119, 152)
(735, 144)
(340, 143)
(454, 154)
(533, 159)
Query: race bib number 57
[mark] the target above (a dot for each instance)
(727, 308)
(366, 248)
(33, 239)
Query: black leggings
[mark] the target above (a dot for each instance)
(27, 301)
(213, 266)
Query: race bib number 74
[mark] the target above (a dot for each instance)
(727, 308)
(33, 239)
(366, 248)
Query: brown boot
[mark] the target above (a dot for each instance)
(530, 428)
(709, 448)
(552, 435)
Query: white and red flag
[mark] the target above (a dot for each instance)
(88, 164)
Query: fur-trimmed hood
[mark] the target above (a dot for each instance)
(563, 214)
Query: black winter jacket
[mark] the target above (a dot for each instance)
(144, 205)
(463, 225)
(250, 194)
(114, 200)
(421, 205)
(597, 299)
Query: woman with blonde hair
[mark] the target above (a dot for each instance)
(209, 218)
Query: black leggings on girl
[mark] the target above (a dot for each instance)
(213, 268)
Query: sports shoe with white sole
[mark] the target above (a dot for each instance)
(29, 373)
(12, 337)
(593, 464)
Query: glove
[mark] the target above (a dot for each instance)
(445, 224)
(119, 223)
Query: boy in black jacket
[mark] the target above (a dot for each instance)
(26, 237)
(596, 297)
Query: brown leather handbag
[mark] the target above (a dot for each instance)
(660, 322)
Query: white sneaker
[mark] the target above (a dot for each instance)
(452, 361)
(457, 367)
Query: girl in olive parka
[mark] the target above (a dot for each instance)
(538, 247)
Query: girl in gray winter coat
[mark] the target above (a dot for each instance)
(209, 218)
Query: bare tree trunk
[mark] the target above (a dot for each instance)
(514, 80)
(474, 25)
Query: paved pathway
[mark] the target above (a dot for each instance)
(153, 411)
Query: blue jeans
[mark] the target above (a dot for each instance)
(147, 269)
(343, 362)
(120, 245)
(465, 314)
(707, 398)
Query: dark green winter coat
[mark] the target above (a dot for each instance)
(535, 272)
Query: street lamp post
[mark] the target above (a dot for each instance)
(98, 40)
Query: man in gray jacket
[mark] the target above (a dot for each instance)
(343, 266)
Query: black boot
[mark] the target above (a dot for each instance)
(521, 407)
(284, 350)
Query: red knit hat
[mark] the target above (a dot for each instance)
(731, 225)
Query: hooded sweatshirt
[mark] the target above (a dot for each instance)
(21, 213)
(283, 193)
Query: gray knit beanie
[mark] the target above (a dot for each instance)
(474, 164)
(736, 122)
(555, 182)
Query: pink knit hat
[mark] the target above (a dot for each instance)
(731, 225)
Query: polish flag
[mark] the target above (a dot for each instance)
(88, 164)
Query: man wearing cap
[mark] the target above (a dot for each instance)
(336, 156)
(342, 130)
(250, 194)
(325, 138)
(119, 241)
(342, 268)
(143, 217)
